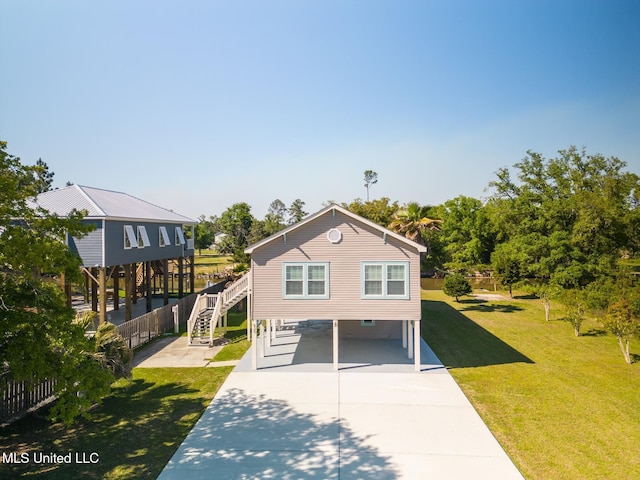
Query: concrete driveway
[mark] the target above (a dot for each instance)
(369, 420)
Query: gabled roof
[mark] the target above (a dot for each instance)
(105, 204)
(338, 208)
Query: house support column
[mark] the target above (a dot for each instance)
(416, 347)
(128, 291)
(180, 277)
(410, 339)
(165, 281)
(262, 340)
(192, 273)
(94, 289)
(335, 345)
(103, 294)
(404, 333)
(115, 274)
(254, 344)
(147, 274)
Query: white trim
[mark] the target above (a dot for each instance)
(143, 237)
(384, 295)
(411, 243)
(179, 236)
(163, 237)
(305, 295)
(130, 239)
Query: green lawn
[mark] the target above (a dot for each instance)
(135, 431)
(562, 407)
(237, 334)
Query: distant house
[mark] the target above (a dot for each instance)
(335, 265)
(133, 239)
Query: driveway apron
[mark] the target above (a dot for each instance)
(368, 420)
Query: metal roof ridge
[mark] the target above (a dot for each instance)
(81, 188)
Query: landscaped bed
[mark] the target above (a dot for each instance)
(562, 407)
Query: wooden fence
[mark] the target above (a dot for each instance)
(19, 397)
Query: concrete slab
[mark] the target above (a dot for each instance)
(369, 420)
(173, 351)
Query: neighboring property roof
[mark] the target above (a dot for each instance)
(106, 204)
(311, 218)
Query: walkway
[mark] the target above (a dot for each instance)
(369, 420)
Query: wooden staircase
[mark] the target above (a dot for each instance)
(209, 310)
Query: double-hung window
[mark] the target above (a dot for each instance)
(385, 280)
(308, 280)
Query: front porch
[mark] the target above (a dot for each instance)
(318, 345)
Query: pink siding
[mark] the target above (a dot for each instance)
(309, 243)
(382, 329)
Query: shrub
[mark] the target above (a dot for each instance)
(456, 286)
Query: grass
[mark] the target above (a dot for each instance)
(561, 406)
(237, 334)
(135, 431)
(210, 262)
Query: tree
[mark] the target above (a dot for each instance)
(296, 212)
(623, 321)
(507, 265)
(413, 222)
(575, 303)
(34, 317)
(456, 285)
(44, 178)
(236, 223)
(380, 211)
(275, 219)
(205, 232)
(466, 233)
(370, 179)
(571, 216)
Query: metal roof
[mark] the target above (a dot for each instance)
(310, 218)
(108, 204)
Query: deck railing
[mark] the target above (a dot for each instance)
(235, 289)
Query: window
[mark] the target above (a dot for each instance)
(385, 280)
(305, 280)
(130, 240)
(143, 238)
(164, 237)
(179, 236)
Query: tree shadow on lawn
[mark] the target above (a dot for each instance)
(134, 432)
(247, 435)
(480, 305)
(459, 342)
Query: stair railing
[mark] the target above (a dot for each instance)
(198, 306)
(215, 317)
(238, 287)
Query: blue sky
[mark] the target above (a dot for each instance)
(196, 105)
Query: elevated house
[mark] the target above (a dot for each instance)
(335, 265)
(134, 244)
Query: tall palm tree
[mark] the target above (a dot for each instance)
(412, 222)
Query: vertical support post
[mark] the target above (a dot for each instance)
(254, 351)
(262, 340)
(249, 304)
(147, 274)
(416, 348)
(410, 339)
(103, 294)
(115, 274)
(128, 290)
(226, 323)
(180, 277)
(165, 281)
(404, 333)
(94, 289)
(336, 365)
(192, 273)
